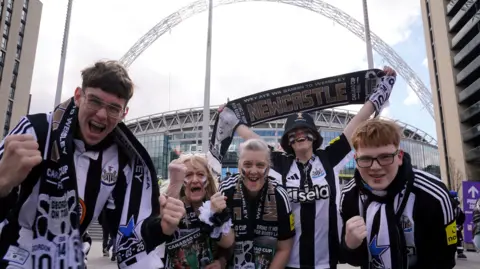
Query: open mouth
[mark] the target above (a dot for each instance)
(195, 189)
(300, 139)
(253, 179)
(96, 128)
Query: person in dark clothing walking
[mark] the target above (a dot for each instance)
(460, 218)
(103, 221)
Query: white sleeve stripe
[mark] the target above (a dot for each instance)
(286, 201)
(346, 189)
(426, 175)
(439, 194)
(445, 218)
(22, 128)
(349, 184)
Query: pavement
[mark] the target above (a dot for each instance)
(96, 260)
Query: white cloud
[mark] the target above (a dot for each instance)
(425, 62)
(256, 46)
(412, 98)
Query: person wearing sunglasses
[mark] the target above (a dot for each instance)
(395, 216)
(59, 170)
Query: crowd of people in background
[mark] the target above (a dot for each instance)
(63, 170)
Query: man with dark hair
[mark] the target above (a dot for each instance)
(58, 170)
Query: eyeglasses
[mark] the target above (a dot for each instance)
(382, 160)
(94, 103)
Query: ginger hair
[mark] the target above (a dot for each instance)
(376, 133)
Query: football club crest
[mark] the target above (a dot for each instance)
(318, 172)
(109, 176)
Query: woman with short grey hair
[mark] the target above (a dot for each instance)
(261, 211)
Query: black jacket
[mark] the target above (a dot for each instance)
(432, 213)
(476, 218)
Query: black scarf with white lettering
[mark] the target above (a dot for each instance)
(251, 244)
(382, 211)
(347, 89)
(56, 230)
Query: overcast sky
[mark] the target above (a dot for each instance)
(256, 46)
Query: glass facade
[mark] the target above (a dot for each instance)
(164, 148)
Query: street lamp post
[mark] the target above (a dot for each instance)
(63, 56)
(206, 102)
(368, 41)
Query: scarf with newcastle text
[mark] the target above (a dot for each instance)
(56, 230)
(347, 89)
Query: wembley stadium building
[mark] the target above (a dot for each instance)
(167, 135)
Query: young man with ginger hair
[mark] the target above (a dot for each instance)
(394, 216)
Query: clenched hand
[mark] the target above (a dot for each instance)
(20, 156)
(355, 232)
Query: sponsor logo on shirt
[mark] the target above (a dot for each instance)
(292, 222)
(451, 232)
(298, 195)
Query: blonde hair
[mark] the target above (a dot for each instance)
(376, 133)
(255, 144)
(198, 161)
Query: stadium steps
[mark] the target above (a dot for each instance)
(95, 231)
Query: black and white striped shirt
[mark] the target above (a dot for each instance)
(427, 222)
(96, 173)
(314, 189)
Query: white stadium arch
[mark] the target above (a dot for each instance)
(318, 6)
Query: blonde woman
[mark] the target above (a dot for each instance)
(207, 223)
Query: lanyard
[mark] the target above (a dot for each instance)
(259, 204)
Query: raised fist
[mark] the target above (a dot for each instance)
(381, 94)
(171, 212)
(20, 156)
(217, 202)
(177, 172)
(355, 232)
(389, 71)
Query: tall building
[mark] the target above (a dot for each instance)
(452, 37)
(19, 25)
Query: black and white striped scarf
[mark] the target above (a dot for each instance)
(57, 240)
(382, 211)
